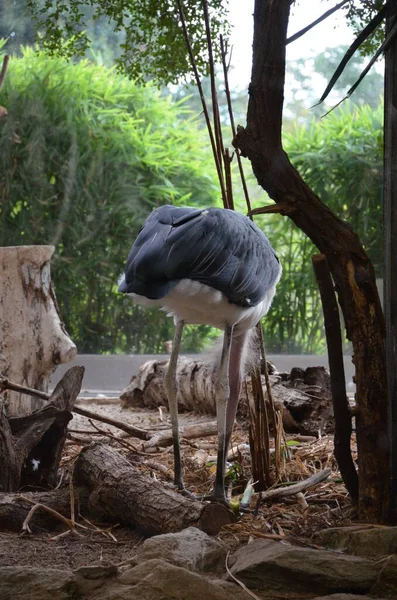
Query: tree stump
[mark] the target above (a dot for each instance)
(31, 446)
(33, 340)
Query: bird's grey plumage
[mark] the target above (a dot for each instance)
(211, 266)
(217, 247)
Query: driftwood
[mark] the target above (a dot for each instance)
(14, 508)
(292, 490)
(189, 432)
(303, 396)
(121, 493)
(31, 446)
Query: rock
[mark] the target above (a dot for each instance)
(158, 580)
(370, 541)
(26, 583)
(91, 578)
(191, 548)
(386, 585)
(346, 597)
(266, 564)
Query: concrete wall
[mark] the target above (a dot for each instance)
(110, 374)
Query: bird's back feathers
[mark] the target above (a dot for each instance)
(218, 247)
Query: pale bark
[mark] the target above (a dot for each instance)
(33, 340)
(303, 397)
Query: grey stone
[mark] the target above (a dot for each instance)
(346, 597)
(266, 564)
(90, 578)
(158, 580)
(386, 584)
(27, 583)
(191, 548)
(370, 541)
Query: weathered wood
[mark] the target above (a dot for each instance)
(303, 397)
(33, 340)
(120, 492)
(130, 429)
(296, 488)
(14, 510)
(350, 266)
(189, 432)
(31, 446)
(390, 246)
(343, 421)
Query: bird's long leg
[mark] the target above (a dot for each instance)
(222, 395)
(236, 373)
(171, 390)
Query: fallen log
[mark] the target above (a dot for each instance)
(303, 396)
(14, 508)
(120, 492)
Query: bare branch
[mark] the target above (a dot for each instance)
(328, 13)
(3, 72)
(291, 490)
(215, 106)
(218, 164)
(231, 116)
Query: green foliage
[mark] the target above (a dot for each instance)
(86, 154)
(340, 157)
(154, 46)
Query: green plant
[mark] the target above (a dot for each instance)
(340, 157)
(86, 154)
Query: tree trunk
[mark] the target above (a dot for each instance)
(390, 245)
(33, 340)
(122, 493)
(351, 269)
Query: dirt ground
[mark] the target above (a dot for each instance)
(104, 544)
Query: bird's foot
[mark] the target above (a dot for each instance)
(217, 497)
(179, 486)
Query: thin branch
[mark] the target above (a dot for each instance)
(141, 434)
(328, 13)
(3, 72)
(218, 164)
(231, 116)
(282, 208)
(6, 384)
(227, 161)
(38, 506)
(215, 106)
(240, 583)
(292, 490)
